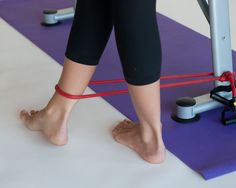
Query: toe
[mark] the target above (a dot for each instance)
(120, 128)
(32, 112)
(124, 125)
(128, 124)
(25, 117)
(127, 121)
(23, 114)
(116, 128)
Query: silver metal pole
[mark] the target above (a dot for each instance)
(220, 37)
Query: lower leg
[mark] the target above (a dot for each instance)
(144, 137)
(52, 120)
(74, 80)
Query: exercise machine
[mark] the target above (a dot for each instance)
(53, 17)
(188, 108)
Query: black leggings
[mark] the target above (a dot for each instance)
(136, 32)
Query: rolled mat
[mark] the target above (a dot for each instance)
(205, 146)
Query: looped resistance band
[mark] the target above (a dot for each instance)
(226, 76)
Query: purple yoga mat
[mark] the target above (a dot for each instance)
(205, 146)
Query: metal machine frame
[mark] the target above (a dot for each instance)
(217, 14)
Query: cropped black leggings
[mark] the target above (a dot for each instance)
(136, 32)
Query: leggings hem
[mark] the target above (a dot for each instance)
(143, 81)
(82, 59)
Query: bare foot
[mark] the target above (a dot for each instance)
(128, 133)
(52, 125)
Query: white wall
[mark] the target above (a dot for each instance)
(188, 13)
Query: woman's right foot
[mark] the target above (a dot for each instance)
(51, 124)
(128, 133)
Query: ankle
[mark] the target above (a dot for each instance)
(53, 110)
(59, 103)
(150, 133)
(152, 140)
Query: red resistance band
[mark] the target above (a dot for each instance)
(226, 76)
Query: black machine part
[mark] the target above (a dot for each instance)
(205, 8)
(230, 104)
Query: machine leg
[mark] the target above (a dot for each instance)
(54, 17)
(187, 108)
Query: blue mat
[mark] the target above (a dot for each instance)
(205, 146)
